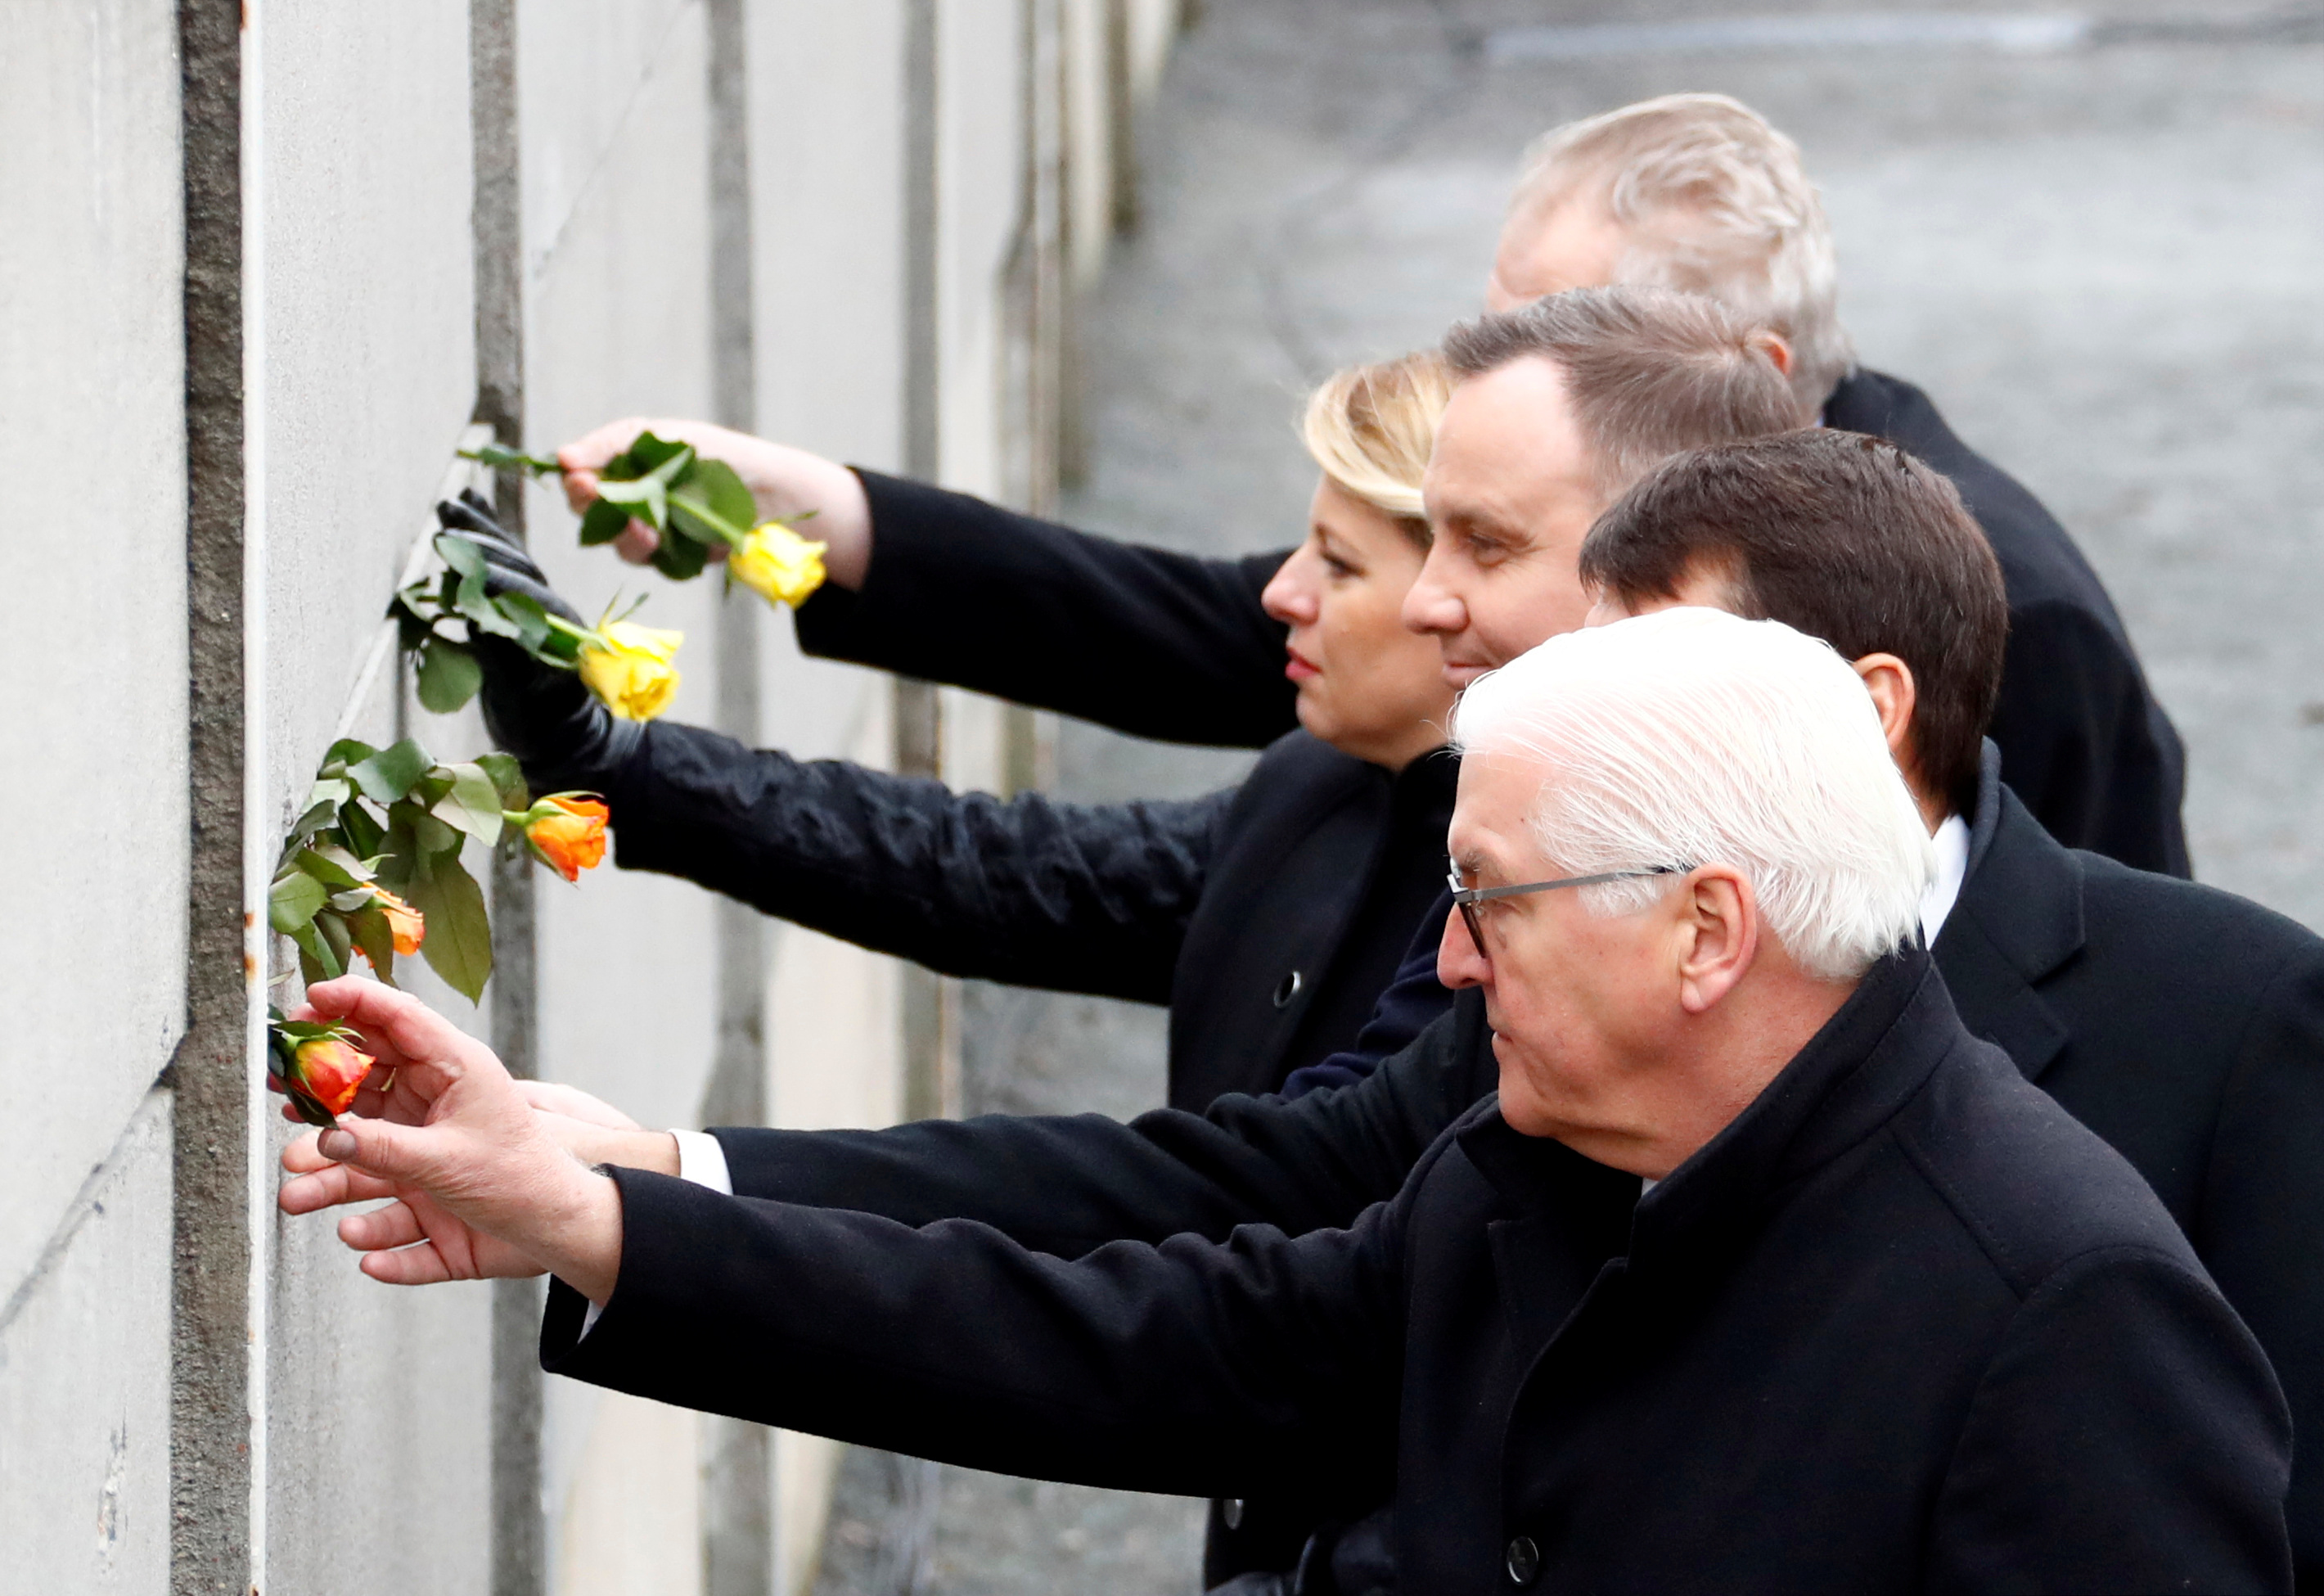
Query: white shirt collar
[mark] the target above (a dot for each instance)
(1951, 844)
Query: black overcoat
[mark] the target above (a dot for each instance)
(1169, 646)
(1269, 916)
(2183, 1024)
(1902, 1327)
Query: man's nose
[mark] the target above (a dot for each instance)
(1431, 609)
(1458, 961)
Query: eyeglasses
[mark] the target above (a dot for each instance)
(1466, 898)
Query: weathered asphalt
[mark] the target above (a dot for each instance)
(2106, 263)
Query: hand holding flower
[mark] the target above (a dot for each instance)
(477, 1154)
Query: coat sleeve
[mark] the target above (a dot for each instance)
(2128, 1435)
(1076, 898)
(1192, 1367)
(2084, 743)
(2258, 1230)
(1069, 1185)
(1146, 641)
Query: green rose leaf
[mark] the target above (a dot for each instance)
(602, 523)
(507, 777)
(318, 814)
(461, 554)
(345, 752)
(387, 775)
(710, 504)
(473, 805)
(374, 938)
(293, 901)
(532, 630)
(334, 867)
(316, 962)
(448, 676)
(459, 944)
(363, 834)
(680, 559)
(481, 610)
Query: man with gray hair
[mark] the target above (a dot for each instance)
(1758, 1273)
(1695, 192)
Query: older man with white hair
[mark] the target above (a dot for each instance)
(1758, 1273)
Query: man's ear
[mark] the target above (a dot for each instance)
(1889, 680)
(1776, 348)
(1721, 918)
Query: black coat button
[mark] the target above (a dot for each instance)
(1233, 1512)
(1525, 1561)
(1287, 988)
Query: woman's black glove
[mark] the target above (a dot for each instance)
(564, 739)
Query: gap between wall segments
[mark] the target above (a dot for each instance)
(460, 473)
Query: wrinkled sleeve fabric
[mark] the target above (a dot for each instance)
(1069, 897)
(1068, 1186)
(1146, 641)
(1190, 1368)
(2257, 1231)
(2128, 1435)
(2084, 744)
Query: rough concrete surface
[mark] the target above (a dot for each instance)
(85, 1386)
(2101, 262)
(97, 594)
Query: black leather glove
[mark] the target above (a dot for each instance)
(559, 732)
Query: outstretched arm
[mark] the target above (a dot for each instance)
(950, 588)
(1070, 897)
(1070, 1184)
(1191, 1368)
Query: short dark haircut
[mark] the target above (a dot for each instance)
(1649, 371)
(1845, 538)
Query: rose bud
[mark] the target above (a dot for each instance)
(568, 831)
(629, 667)
(319, 1068)
(777, 563)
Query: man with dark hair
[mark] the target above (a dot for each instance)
(2184, 1025)
(1795, 530)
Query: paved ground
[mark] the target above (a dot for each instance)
(2106, 262)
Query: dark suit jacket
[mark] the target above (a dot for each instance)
(1166, 645)
(2183, 1024)
(1269, 916)
(1902, 1327)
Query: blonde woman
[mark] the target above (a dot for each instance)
(1269, 916)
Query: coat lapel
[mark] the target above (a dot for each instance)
(2018, 921)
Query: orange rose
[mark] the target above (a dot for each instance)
(406, 924)
(319, 1067)
(568, 832)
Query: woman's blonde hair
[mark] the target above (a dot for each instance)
(1370, 428)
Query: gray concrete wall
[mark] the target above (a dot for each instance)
(94, 821)
(255, 300)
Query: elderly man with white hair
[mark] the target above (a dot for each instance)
(1758, 1273)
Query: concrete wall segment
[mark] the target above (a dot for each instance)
(85, 1384)
(93, 832)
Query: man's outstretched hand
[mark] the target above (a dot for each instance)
(588, 1128)
(786, 481)
(482, 1188)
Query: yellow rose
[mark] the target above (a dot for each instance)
(777, 563)
(630, 671)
